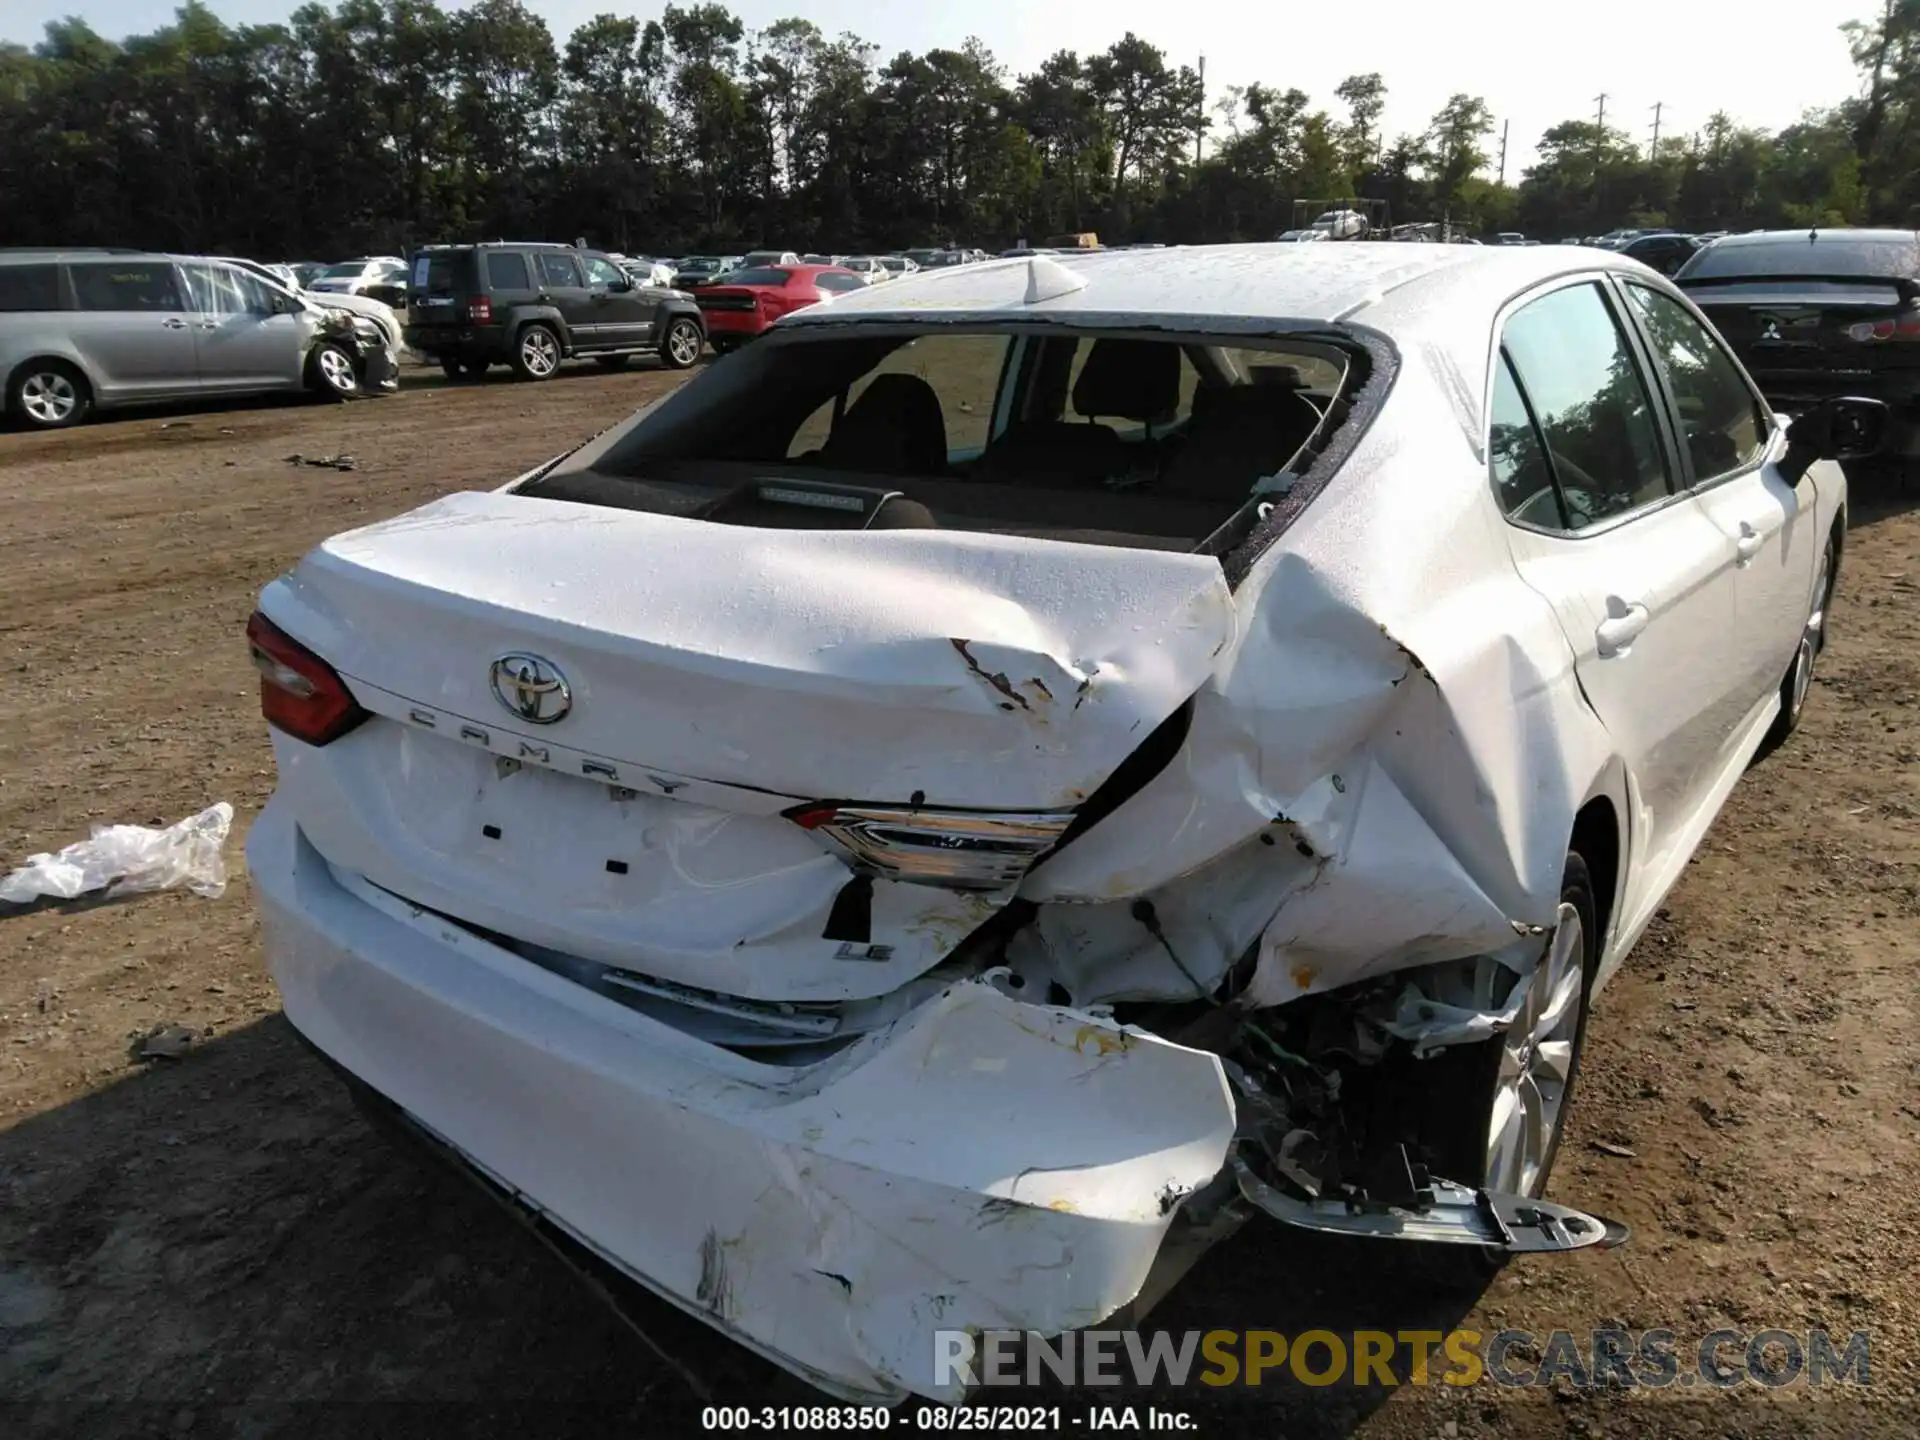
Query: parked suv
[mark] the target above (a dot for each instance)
(530, 306)
(96, 329)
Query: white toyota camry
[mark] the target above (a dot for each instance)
(1029, 767)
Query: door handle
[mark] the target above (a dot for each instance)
(1748, 545)
(174, 322)
(1616, 634)
(209, 324)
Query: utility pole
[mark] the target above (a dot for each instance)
(1504, 125)
(1200, 117)
(1600, 121)
(1653, 150)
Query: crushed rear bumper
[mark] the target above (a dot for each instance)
(983, 1163)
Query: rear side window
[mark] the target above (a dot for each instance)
(29, 287)
(1595, 414)
(507, 270)
(558, 270)
(118, 285)
(1724, 425)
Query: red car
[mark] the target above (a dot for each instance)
(746, 302)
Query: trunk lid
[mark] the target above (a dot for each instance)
(440, 288)
(971, 670)
(1803, 337)
(717, 675)
(727, 297)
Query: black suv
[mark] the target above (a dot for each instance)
(533, 305)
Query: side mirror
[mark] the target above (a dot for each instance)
(1847, 427)
(285, 304)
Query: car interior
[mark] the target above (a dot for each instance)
(1096, 438)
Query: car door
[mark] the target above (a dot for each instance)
(244, 341)
(1640, 576)
(563, 286)
(624, 309)
(129, 324)
(1731, 449)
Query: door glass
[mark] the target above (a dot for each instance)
(124, 285)
(1518, 455)
(559, 270)
(507, 270)
(604, 272)
(219, 290)
(28, 287)
(1725, 427)
(1593, 408)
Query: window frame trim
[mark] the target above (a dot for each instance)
(1670, 400)
(1600, 279)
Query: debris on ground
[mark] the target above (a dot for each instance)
(130, 860)
(1619, 1152)
(164, 1042)
(325, 462)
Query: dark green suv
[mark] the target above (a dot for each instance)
(530, 306)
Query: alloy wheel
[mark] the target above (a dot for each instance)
(1536, 1064)
(539, 353)
(48, 398)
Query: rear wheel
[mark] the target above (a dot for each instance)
(332, 371)
(49, 395)
(612, 362)
(681, 345)
(1798, 683)
(1493, 1113)
(536, 353)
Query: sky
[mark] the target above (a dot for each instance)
(1536, 62)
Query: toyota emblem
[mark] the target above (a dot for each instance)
(531, 688)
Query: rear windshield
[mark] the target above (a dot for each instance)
(1161, 443)
(351, 270)
(1834, 253)
(29, 287)
(442, 274)
(767, 275)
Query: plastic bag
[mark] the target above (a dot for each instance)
(130, 859)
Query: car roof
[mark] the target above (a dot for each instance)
(42, 256)
(1235, 287)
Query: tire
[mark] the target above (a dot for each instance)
(1798, 682)
(49, 395)
(332, 373)
(612, 362)
(682, 343)
(536, 353)
(455, 369)
(1451, 1100)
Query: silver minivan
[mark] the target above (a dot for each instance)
(82, 330)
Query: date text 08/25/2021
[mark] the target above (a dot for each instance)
(925, 1419)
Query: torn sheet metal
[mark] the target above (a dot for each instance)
(1416, 764)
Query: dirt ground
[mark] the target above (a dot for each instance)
(217, 1245)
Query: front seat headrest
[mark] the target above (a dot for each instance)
(896, 427)
(1132, 379)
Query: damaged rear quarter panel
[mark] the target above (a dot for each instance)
(1382, 769)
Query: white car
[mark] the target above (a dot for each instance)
(898, 266)
(1342, 225)
(356, 277)
(932, 823)
(378, 311)
(867, 267)
(1301, 237)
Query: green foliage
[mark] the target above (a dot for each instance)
(374, 125)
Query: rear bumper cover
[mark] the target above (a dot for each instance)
(982, 1163)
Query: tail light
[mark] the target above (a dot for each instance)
(299, 692)
(1904, 327)
(958, 849)
(480, 310)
